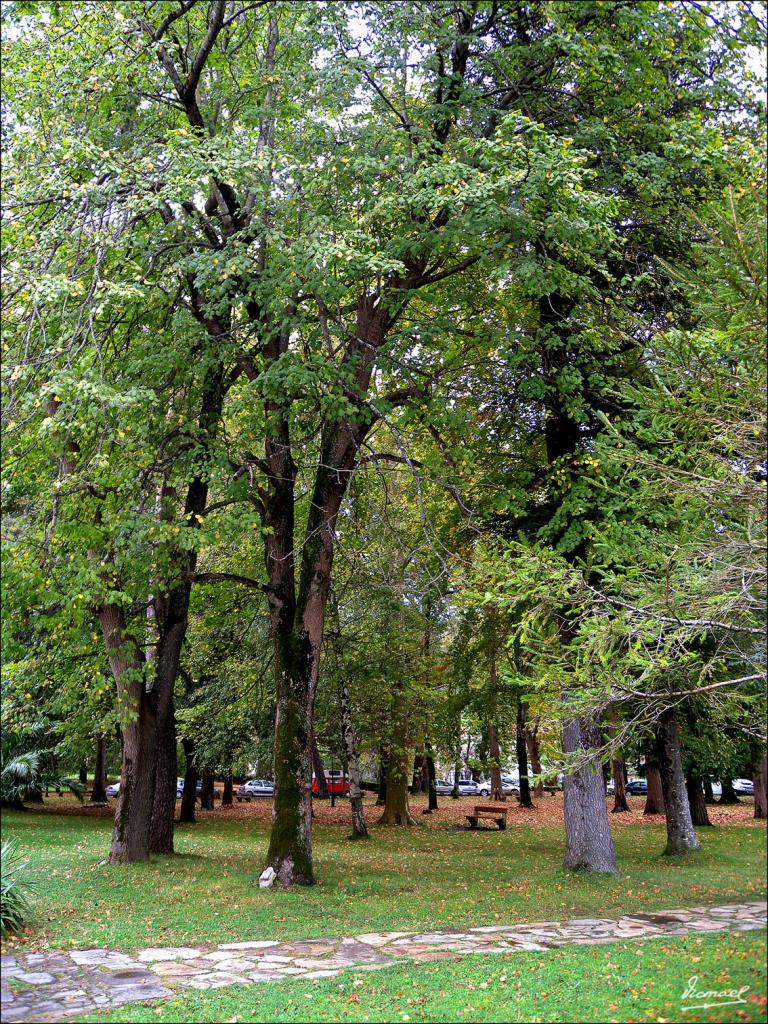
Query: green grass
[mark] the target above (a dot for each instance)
(403, 879)
(617, 982)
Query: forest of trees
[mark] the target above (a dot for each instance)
(381, 378)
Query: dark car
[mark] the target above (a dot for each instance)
(637, 787)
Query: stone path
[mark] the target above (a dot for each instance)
(50, 986)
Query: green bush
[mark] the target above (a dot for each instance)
(14, 888)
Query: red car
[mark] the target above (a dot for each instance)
(336, 784)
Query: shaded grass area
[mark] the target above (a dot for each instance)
(616, 982)
(402, 879)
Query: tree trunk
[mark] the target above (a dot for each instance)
(418, 774)
(534, 754)
(522, 757)
(497, 790)
(359, 830)
(696, 801)
(654, 800)
(589, 845)
(83, 774)
(396, 810)
(381, 796)
(290, 840)
(319, 770)
(189, 794)
(432, 806)
(620, 804)
(760, 779)
(130, 835)
(709, 795)
(298, 620)
(728, 795)
(206, 791)
(588, 841)
(99, 790)
(681, 838)
(34, 795)
(226, 796)
(164, 805)
(617, 772)
(457, 763)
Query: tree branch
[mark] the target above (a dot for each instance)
(215, 25)
(230, 577)
(703, 623)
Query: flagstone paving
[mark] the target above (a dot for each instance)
(49, 986)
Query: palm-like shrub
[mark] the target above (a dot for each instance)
(14, 888)
(26, 766)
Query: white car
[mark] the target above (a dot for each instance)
(255, 787)
(743, 787)
(113, 790)
(508, 785)
(468, 787)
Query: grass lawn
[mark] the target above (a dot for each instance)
(618, 982)
(427, 877)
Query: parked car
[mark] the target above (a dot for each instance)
(508, 785)
(336, 784)
(113, 790)
(255, 787)
(742, 787)
(180, 788)
(637, 787)
(468, 787)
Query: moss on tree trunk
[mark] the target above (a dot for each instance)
(290, 839)
(396, 809)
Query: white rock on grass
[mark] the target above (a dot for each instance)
(267, 878)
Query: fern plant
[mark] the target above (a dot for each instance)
(26, 766)
(15, 889)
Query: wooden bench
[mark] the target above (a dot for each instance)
(496, 812)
